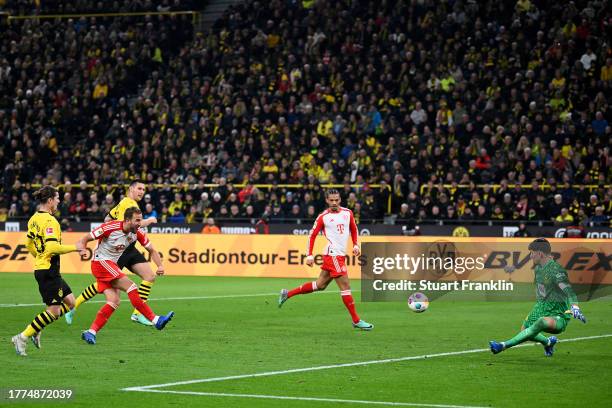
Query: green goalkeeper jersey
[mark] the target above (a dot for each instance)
(554, 294)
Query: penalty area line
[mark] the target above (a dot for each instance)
(333, 366)
(311, 399)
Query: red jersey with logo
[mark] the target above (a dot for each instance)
(336, 227)
(112, 240)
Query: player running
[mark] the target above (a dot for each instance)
(113, 238)
(336, 223)
(131, 257)
(555, 302)
(44, 242)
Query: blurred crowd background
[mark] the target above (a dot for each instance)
(419, 109)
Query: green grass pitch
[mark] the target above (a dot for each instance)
(215, 336)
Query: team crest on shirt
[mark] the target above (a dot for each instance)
(49, 231)
(60, 293)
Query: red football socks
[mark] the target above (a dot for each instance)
(347, 298)
(308, 287)
(102, 317)
(139, 304)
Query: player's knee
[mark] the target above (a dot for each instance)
(145, 272)
(546, 323)
(321, 285)
(69, 302)
(55, 310)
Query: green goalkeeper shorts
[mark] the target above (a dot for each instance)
(560, 321)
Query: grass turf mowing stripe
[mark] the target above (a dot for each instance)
(332, 366)
(312, 399)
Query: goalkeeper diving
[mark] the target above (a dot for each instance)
(556, 303)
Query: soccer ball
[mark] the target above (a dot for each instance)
(418, 302)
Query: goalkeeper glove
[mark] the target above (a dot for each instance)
(577, 313)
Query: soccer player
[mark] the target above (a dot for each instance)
(44, 242)
(336, 223)
(113, 238)
(555, 304)
(131, 257)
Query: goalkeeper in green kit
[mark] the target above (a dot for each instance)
(555, 302)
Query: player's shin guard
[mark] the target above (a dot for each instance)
(88, 293)
(144, 291)
(41, 321)
(347, 298)
(138, 303)
(102, 317)
(308, 287)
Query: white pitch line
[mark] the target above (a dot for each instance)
(247, 295)
(332, 366)
(335, 400)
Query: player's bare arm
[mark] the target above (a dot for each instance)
(156, 259)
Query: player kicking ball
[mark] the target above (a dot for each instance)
(555, 304)
(336, 223)
(131, 258)
(113, 237)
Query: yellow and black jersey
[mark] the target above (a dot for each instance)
(44, 239)
(118, 212)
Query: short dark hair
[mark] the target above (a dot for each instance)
(331, 191)
(541, 245)
(45, 194)
(129, 213)
(136, 181)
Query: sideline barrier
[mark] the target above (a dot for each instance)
(284, 255)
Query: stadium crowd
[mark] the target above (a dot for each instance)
(47, 7)
(408, 99)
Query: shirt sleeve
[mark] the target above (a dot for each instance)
(565, 286)
(31, 246)
(114, 212)
(56, 248)
(30, 241)
(316, 228)
(104, 230)
(143, 239)
(353, 228)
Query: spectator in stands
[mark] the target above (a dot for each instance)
(149, 211)
(262, 226)
(599, 218)
(177, 217)
(565, 217)
(210, 227)
(192, 216)
(522, 232)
